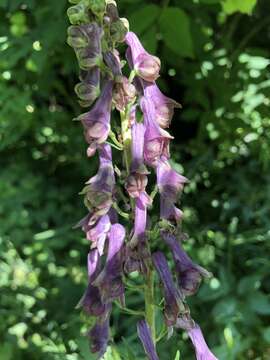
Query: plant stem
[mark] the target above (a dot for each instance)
(149, 302)
(126, 136)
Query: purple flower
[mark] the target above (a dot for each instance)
(173, 298)
(96, 122)
(201, 348)
(99, 189)
(137, 182)
(195, 334)
(124, 94)
(98, 232)
(147, 66)
(157, 140)
(99, 336)
(88, 89)
(113, 61)
(109, 281)
(91, 301)
(189, 274)
(145, 336)
(170, 184)
(164, 106)
(136, 258)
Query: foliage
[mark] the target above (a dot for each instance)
(216, 62)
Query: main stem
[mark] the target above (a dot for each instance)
(149, 283)
(149, 302)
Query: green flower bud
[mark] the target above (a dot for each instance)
(78, 14)
(118, 30)
(98, 7)
(77, 38)
(87, 60)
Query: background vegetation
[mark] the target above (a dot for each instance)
(216, 62)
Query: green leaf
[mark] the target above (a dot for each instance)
(144, 18)
(266, 334)
(244, 6)
(259, 303)
(175, 28)
(177, 356)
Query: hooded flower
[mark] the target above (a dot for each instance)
(91, 301)
(96, 122)
(99, 189)
(170, 184)
(137, 182)
(109, 281)
(173, 298)
(145, 336)
(147, 66)
(96, 233)
(195, 334)
(189, 274)
(88, 89)
(164, 106)
(156, 139)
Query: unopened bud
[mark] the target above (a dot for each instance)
(76, 37)
(118, 31)
(87, 93)
(112, 11)
(125, 23)
(77, 14)
(98, 7)
(87, 60)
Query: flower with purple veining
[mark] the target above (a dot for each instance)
(170, 184)
(157, 140)
(189, 274)
(91, 301)
(195, 334)
(164, 106)
(145, 336)
(137, 182)
(173, 298)
(96, 122)
(146, 66)
(109, 281)
(100, 188)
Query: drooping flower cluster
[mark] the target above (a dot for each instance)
(119, 248)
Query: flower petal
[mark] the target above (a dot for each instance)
(145, 336)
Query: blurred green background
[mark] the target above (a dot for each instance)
(216, 63)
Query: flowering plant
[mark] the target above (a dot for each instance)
(120, 232)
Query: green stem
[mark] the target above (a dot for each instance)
(126, 135)
(149, 302)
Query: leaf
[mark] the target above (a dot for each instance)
(175, 28)
(244, 6)
(177, 356)
(259, 303)
(266, 334)
(143, 19)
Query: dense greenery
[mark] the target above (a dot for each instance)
(216, 62)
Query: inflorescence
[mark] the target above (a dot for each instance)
(119, 249)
